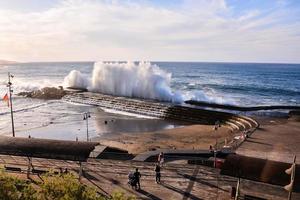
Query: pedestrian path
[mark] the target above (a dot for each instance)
(178, 181)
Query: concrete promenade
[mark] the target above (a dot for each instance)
(276, 139)
(179, 180)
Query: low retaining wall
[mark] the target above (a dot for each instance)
(261, 170)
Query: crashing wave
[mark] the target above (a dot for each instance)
(137, 80)
(76, 79)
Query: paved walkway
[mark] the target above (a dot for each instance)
(274, 141)
(179, 180)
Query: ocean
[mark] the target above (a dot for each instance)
(243, 84)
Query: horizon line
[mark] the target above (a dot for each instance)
(163, 61)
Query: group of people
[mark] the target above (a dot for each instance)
(134, 177)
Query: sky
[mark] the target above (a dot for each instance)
(150, 30)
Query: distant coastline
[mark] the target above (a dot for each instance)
(7, 62)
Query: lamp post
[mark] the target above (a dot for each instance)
(86, 117)
(215, 158)
(10, 91)
(217, 125)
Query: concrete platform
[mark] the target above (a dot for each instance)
(276, 139)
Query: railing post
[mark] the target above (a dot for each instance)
(237, 190)
(80, 170)
(29, 166)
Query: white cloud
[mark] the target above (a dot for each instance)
(118, 30)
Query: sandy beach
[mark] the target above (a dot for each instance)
(187, 137)
(276, 139)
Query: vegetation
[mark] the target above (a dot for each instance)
(52, 187)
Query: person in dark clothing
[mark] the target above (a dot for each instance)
(211, 149)
(137, 175)
(157, 173)
(131, 180)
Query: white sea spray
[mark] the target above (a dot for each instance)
(137, 80)
(76, 79)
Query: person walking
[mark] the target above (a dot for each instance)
(137, 175)
(157, 173)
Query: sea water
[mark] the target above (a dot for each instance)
(244, 84)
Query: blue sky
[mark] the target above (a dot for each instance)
(162, 30)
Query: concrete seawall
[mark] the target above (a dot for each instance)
(164, 110)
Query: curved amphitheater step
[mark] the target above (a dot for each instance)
(241, 123)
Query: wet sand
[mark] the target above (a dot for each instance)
(59, 125)
(188, 137)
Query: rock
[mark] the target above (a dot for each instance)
(45, 93)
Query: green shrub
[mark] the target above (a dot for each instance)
(118, 195)
(12, 188)
(53, 187)
(65, 187)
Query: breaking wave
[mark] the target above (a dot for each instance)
(76, 79)
(21, 85)
(137, 80)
